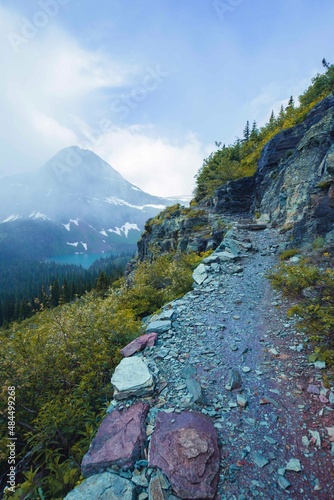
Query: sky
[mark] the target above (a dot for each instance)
(150, 85)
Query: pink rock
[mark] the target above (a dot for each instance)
(185, 447)
(313, 389)
(120, 440)
(146, 340)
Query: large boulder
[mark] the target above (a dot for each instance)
(103, 487)
(119, 441)
(185, 447)
(132, 378)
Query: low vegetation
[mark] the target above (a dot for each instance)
(61, 361)
(310, 283)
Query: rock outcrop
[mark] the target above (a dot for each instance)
(181, 229)
(293, 187)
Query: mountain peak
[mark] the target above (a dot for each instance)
(72, 161)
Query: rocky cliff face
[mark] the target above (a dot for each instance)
(293, 186)
(181, 229)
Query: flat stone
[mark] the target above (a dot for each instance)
(260, 460)
(200, 274)
(225, 256)
(146, 340)
(185, 447)
(293, 465)
(234, 380)
(155, 491)
(320, 365)
(242, 401)
(195, 389)
(313, 389)
(143, 496)
(188, 371)
(273, 351)
(246, 369)
(132, 378)
(159, 326)
(140, 481)
(283, 482)
(331, 397)
(103, 487)
(119, 441)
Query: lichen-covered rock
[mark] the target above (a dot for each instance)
(132, 378)
(119, 440)
(185, 447)
(104, 486)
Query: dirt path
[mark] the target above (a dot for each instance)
(280, 413)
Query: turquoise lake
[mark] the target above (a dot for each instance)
(84, 260)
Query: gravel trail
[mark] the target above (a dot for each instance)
(233, 330)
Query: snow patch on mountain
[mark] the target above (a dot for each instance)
(68, 225)
(11, 218)
(38, 215)
(75, 244)
(113, 200)
(103, 232)
(124, 229)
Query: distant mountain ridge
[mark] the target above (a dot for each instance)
(91, 206)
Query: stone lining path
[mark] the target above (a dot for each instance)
(228, 352)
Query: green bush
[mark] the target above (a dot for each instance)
(61, 361)
(315, 309)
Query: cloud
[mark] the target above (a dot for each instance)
(49, 79)
(152, 162)
(55, 91)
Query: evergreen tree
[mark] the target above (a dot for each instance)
(246, 132)
(281, 115)
(102, 284)
(254, 132)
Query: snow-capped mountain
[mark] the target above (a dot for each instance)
(93, 205)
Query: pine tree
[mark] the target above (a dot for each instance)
(246, 132)
(102, 284)
(281, 115)
(254, 132)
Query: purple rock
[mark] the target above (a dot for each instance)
(185, 447)
(120, 440)
(313, 389)
(146, 340)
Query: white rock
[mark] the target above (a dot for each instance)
(293, 465)
(132, 378)
(200, 274)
